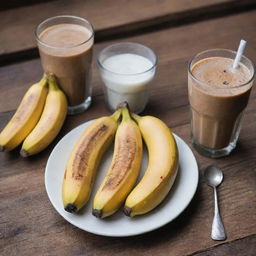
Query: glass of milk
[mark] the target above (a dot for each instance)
(126, 70)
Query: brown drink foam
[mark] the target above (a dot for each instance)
(217, 72)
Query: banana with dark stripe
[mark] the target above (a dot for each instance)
(124, 168)
(84, 159)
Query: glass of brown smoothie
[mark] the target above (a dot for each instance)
(218, 97)
(65, 45)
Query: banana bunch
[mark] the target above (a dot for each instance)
(37, 120)
(117, 187)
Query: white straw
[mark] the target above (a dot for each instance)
(239, 54)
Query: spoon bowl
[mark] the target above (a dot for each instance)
(213, 176)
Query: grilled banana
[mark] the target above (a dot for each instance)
(83, 161)
(124, 168)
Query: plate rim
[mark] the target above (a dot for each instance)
(128, 234)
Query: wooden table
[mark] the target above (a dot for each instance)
(175, 30)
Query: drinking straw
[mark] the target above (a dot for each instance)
(239, 54)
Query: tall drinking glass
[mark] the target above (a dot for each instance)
(218, 97)
(65, 45)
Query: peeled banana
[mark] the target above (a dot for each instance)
(124, 168)
(50, 123)
(83, 161)
(162, 168)
(26, 116)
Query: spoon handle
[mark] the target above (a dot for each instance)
(218, 230)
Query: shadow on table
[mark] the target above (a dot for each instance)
(173, 228)
(161, 235)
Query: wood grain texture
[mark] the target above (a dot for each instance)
(108, 17)
(179, 43)
(10, 4)
(245, 244)
(30, 225)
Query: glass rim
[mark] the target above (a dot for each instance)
(100, 64)
(58, 17)
(216, 87)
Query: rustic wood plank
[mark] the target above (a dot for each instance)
(17, 3)
(108, 17)
(38, 221)
(171, 44)
(244, 246)
(28, 222)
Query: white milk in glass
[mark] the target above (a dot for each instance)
(126, 77)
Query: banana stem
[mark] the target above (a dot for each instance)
(126, 114)
(117, 114)
(136, 117)
(52, 82)
(43, 81)
(123, 104)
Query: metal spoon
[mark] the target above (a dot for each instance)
(213, 177)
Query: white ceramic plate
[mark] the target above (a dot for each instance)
(119, 225)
